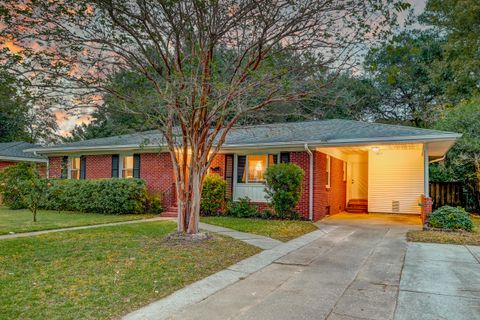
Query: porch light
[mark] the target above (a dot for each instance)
(375, 149)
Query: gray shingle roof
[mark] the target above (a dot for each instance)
(318, 132)
(15, 151)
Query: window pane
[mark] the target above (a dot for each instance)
(272, 159)
(241, 169)
(75, 174)
(128, 162)
(75, 164)
(127, 173)
(256, 168)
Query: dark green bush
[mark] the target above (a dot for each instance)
(213, 195)
(154, 204)
(11, 180)
(115, 196)
(450, 218)
(284, 188)
(242, 208)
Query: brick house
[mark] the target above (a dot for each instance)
(349, 165)
(12, 153)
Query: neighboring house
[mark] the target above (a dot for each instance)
(349, 165)
(13, 152)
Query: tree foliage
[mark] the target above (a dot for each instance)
(458, 23)
(463, 160)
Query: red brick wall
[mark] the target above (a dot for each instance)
(4, 164)
(323, 197)
(41, 167)
(157, 171)
(55, 167)
(99, 166)
(426, 208)
(218, 165)
(302, 159)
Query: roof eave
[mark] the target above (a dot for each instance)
(292, 144)
(26, 159)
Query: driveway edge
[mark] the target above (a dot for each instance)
(204, 288)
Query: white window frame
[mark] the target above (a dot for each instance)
(328, 170)
(121, 157)
(235, 167)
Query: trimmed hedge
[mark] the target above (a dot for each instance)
(450, 218)
(11, 179)
(114, 196)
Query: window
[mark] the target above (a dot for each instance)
(75, 168)
(64, 168)
(257, 165)
(328, 167)
(127, 167)
(252, 168)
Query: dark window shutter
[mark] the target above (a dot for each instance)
(115, 164)
(284, 157)
(83, 167)
(229, 174)
(274, 159)
(64, 168)
(136, 166)
(241, 160)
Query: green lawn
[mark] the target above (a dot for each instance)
(106, 272)
(472, 238)
(21, 220)
(282, 230)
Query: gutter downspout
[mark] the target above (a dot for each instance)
(310, 183)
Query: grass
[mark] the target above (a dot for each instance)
(106, 272)
(283, 230)
(21, 220)
(471, 238)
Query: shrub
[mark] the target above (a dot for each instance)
(213, 195)
(284, 188)
(450, 218)
(154, 204)
(11, 180)
(33, 192)
(116, 196)
(242, 208)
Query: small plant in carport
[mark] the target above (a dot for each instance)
(450, 218)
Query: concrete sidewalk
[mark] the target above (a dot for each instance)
(440, 281)
(36, 233)
(253, 239)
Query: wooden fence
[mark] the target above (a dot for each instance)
(447, 193)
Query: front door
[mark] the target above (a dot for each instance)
(358, 180)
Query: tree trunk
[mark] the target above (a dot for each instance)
(35, 215)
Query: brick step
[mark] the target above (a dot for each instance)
(170, 212)
(358, 201)
(359, 206)
(356, 210)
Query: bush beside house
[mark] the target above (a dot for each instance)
(450, 218)
(213, 195)
(284, 188)
(20, 183)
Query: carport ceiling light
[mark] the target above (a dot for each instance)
(375, 149)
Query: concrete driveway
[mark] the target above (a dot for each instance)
(353, 273)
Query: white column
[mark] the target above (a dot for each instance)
(425, 171)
